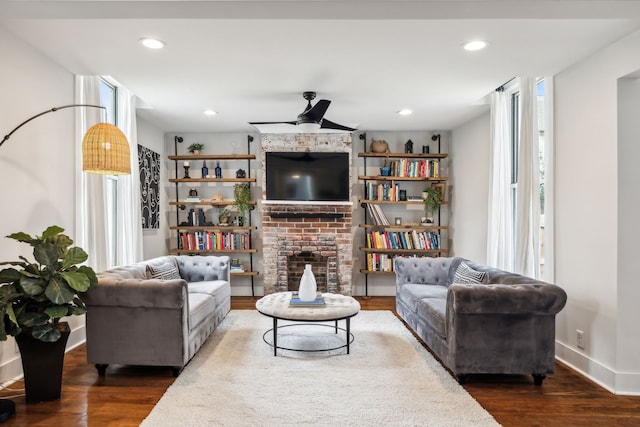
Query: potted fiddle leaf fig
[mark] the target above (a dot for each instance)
(34, 297)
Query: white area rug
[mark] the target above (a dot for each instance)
(389, 379)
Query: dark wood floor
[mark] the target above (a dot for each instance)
(127, 394)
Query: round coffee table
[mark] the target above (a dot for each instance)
(337, 307)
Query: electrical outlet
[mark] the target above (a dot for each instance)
(580, 339)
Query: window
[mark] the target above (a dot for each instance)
(515, 146)
(108, 99)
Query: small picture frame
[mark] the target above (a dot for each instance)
(442, 189)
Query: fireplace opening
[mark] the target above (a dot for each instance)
(295, 268)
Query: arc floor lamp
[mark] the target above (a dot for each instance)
(105, 149)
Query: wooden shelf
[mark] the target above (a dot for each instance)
(218, 251)
(212, 180)
(400, 178)
(212, 227)
(365, 271)
(406, 227)
(405, 155)
(213, 157)
(394, 202)
(207, 203)
(244, 273)
(405, 251)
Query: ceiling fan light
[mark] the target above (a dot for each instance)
(309, 127)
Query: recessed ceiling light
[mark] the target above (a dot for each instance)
(404, 112)
(475, 45)
(152, 43)
(210, 112)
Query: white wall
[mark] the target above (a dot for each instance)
(628, 331)
(469, 179)
(37, 163)
(587, 232)
(156, 241)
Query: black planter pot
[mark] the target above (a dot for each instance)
(42, 364)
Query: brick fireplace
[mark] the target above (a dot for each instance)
(299, 233)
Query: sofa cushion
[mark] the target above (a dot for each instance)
(433, 311)
(201, 306)
(467, 275)
(163, 272)
(412, 293)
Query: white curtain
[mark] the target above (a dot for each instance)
(93, 214)
(549, 178)
(500, 226)
(129, 216)
(91, 209)
(528, 193)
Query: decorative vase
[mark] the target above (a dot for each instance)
(42, 364)
(308, 287)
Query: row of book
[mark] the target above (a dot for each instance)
(415, 168)
(379, 262)
(411, 239)
(214, 240)
(383, 192)
(377, 216)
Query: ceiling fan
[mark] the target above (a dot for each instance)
(312, 118)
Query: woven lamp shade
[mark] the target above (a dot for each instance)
(105, 150)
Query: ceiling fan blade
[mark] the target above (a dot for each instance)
(327, 124)
(272, 123)
(316, 113)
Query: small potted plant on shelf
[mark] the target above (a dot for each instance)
(223, 216)
(242, 195)
(431, 198)
(34, 296)
(195, 148)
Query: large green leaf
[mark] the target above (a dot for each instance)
(88, 271)
(76, 311)
(9, 275)
(47, 254)
(59, 292)
(51, 231)
(74, 256)
(57, 312)
(21, 237)
(45, 333)
(31, 319)
(78, 281)
(32, 286)
(62, 241)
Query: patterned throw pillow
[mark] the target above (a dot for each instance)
(163, 271)
(466, 274)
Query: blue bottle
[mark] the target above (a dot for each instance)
(205, 169)
(218, 170)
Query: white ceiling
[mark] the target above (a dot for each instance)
(251, 60)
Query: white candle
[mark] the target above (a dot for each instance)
(186, 163)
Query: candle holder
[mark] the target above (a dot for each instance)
(186, 171)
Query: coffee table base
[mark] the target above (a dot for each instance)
(274, 331)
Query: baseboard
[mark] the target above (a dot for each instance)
(11, 370)
(621, 383)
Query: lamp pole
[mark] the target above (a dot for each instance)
(54, 109)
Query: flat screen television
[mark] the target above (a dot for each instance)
(307, 176)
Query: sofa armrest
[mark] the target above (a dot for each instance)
(537, 299)
(152, 293)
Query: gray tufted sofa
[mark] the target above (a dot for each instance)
(505, 326)
(136, 320)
